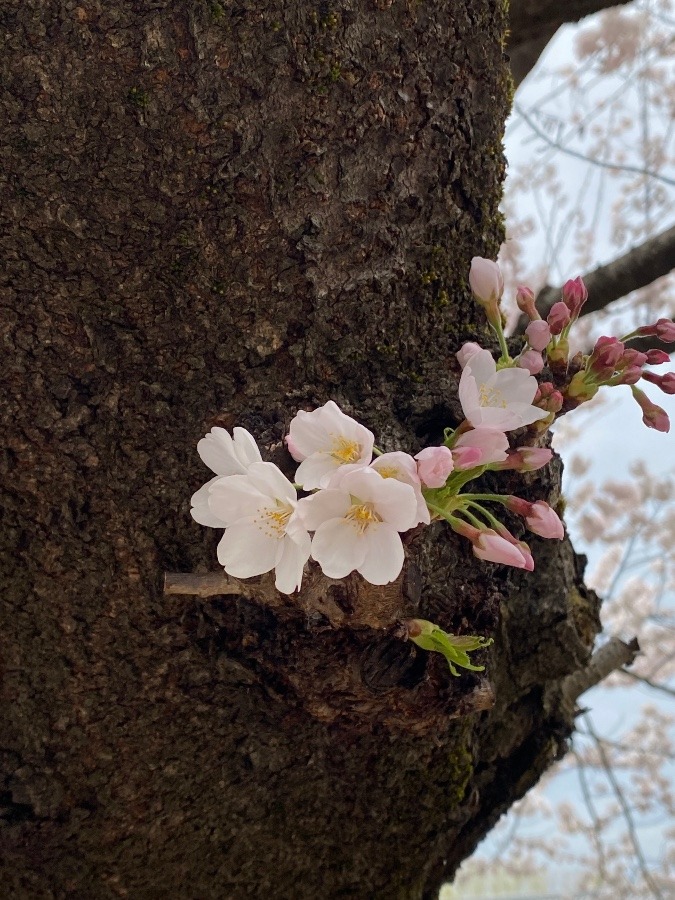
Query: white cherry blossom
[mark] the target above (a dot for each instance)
(263, 530)
(499, 399)
(224, 455)
(227, 455)
(357, 525)
(324, 440)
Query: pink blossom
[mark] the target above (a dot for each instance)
(486, 281)
(558, 317)
(468, 350)
(532, 361)
(499, 399)
(525, 302)
(574, 295)
(491, 444)
(538, 334)
(434, 464)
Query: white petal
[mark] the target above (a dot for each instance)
(245, 447)
(316, 470)
(235, 498)
(245, 550)
(308, 433)
(291, 563)
(384, 555)
(516, 385)
(271, 481)
(468, 395)
(200, 511)
(317, 509)
(481, 366)
(338, 547)
(402, 464)
(526, 413)
(217, 451)
(393, 500)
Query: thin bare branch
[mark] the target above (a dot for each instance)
(640, 266)
(625, 808)
(648, 681)
(618, 167)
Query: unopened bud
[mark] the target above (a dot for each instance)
(531, 360)
(525, 301)
(574, 295)
(538, 334)
(486, 280)
(657, 357)
(652, 415)
(663, 329)
(665, 382)
(558, 317)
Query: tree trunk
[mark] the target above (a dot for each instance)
(218, 213)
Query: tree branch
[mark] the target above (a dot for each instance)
(611, 656)
(532, 25)
(640, 266)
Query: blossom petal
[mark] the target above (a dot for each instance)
(384, 554)
(235, 498)
(316, 470)
(246, 550)
(271, 481)
(317, 509)
(481, 366)
(338, 548)
(200, 511)
(291, 558)
(226, 456)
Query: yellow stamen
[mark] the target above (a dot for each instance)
(387, 472)
(344, 450)
(361, 515)
(491, 397)
(274, 521)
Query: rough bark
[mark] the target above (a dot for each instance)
(215, 214)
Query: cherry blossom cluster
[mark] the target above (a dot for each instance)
(355, 501)
(573, 379)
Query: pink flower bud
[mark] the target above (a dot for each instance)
(665, 382)
(467, 350)
(544, 521)
(630, 375)
(657, 357)
(525, 301)
(538, 334)
(486, 280)
(434, 464)
(652, 415)
(531, 360)
(574, 295)
(558, 317)
(526, 459)
(494, 548)
(491, 444)
(466, 457)
(605, 357)
(633, 357)
(663, 329)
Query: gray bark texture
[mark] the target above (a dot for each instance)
(217, 213)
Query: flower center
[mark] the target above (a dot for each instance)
(491, 396)
(388, 472)
(361, 515)
(273, 521)
(345, 450)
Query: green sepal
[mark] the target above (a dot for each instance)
(455, 648)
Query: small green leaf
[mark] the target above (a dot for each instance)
(455, 648)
